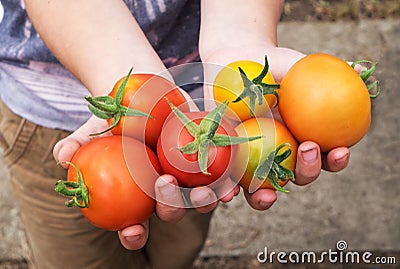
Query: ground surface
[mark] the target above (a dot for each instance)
(359, 205)
(339, 10)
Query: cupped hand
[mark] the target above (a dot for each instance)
(65, 149)
(132, 237)
(170, 206)
(310, 160)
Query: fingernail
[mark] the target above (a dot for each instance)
(201, 198)
(343, 160)
(309, 155)
(133, 238)
(166, 188)
(264, 204)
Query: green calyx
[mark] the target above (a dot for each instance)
(272, 169)
(205, 134)
(366, 74)
(106, 107)
(256, 89)
(76, 190)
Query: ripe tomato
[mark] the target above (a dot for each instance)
(229, 85)
(254, 159)
(322, 99)
(185, 167)
(114, 199)
(143, 93)
(197, 147)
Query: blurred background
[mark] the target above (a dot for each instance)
(359, 205)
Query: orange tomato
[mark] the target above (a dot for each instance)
(250, 155)
(322, 99)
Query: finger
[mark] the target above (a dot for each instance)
(134, 237)
(227, 191)
(262, 199)
(65, 149)
(203, 199)
(308, 165)
(358, 68)
(170, 204)
(336, 160)
(236, 190)
(92, 126)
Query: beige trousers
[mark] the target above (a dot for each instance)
(60, 237)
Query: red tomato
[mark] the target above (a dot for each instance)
(322, 99)
(145, 93)
(185, 167)
(115, 199)
(251, 155)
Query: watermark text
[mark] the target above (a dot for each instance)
(339, 255)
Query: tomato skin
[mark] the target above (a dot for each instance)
(115, 199)
(322, 99)
(146, 92)
(228, 85)
(249, 155)
(185, 167)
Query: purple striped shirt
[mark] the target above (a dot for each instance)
(35, 86)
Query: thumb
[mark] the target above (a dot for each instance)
(170, 203)
(66, 148)
(134, 237)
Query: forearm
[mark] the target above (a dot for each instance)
(238, 23)
(98, 41)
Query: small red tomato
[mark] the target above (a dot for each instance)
(136, 106)
(197, 147)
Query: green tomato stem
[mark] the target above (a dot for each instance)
(366, 74)
(272, 169)
(107, 107)
(205, 134)
(255, 89)
(78, 191)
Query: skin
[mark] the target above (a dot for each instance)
(99, 43)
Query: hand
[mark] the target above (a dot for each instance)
(310, 161)
(170, 205)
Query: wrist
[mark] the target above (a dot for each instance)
(250, 23)
(241, 49)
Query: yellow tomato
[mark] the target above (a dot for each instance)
(229, 85)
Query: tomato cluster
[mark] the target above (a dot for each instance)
(111, 179)
(320, 99)
(268, 162)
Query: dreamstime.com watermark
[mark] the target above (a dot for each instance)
(340, 255)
